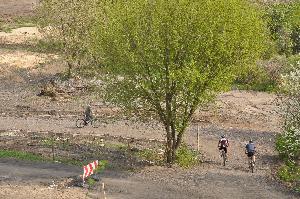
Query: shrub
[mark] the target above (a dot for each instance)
(265, 76)
(284, 25)
(289, 173)
(288, 144)
(185, 157)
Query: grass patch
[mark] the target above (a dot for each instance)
(91, 182)
(150, 155)
(18, 22)
(47, 46)
(70, 161)
(60, 143)
(20, 155)
(118, 146)
(290, 174)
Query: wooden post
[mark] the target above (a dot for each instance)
(198, 138)
(104, 195)
(53, 145)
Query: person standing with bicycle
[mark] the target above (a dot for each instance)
(88, 116)
(223, 144)
(250, 150)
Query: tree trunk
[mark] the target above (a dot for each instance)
(169, 146)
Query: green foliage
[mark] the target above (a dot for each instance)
(185, 157)
(290, 173)
(288, 144)
(163, 59)
(102, 164)
(284, 25)
(257, 79)
(267, 75)
(91, 182)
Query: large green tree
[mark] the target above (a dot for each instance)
(163, 59)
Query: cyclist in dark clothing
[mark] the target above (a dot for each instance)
(88, 114)
(250, 150)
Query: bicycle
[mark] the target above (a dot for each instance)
(251, 163)
(224, 157)
(80, 123)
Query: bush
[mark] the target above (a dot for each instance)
(284, 25)
(289, 173)
(288, 144)
(185, 157)
(256, 78)
(265, 76)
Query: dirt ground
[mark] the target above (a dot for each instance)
(240, 115)
(12, 8)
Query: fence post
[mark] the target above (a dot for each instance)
(198, 138)
(104, 196)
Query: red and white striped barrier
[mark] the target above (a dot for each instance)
(89, 169)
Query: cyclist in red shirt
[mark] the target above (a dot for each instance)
(223, 144)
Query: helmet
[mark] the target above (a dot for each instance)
(222, 136)
(250, 141)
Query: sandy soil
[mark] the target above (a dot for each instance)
(20, 36)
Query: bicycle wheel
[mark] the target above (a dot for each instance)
(252, 165)
(95, 123)
(224, 157)
(80, 123)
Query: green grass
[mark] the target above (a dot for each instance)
(20, 155)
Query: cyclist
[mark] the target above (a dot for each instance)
(223, 144)
(88, 116)
(250, 150)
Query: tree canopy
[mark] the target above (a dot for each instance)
(164, 58)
